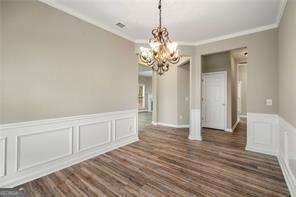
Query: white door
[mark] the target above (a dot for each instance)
(214, 91)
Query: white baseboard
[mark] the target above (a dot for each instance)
(170, 125)
(233, 128)
(260, 150)
(29, 151)
(228, 130)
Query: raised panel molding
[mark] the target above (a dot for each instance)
(271, 134)
(124, 127)
(287, 153)
(33, 149)
(2, 156)
(52, 145)
(94, 135)
(262, 133)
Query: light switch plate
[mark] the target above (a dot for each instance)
(269, 102)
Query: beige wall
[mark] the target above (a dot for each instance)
(287, 64)
(1, 65)
(215, 62)
(262, 67)
(55, 65)
(167, 97)
(233, 78)
(242, 76)
(147, 81)
(183, 100)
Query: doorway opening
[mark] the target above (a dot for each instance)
(223, 97)
(145, 96)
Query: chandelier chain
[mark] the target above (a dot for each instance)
(159, 7)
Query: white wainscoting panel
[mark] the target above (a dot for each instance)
(29, 150)
(262, 133)
(287, 153)
(2, 156)
(195, 125)
(94, 134)
(38, 148)
(124, 127)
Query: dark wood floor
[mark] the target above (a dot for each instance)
(235, 139)
(145, 119)
(165, 163)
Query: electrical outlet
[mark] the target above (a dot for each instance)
(269, 102)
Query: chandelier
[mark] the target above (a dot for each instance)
(162, 52)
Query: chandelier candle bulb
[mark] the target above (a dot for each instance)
(163, 52)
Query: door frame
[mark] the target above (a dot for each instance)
(155, 78)
(144, 95)
(225, 96)
(237, 73)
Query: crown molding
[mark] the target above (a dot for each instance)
(220, 38)
(241, 33)
(117, 32)
(72, 12)
(282, 7)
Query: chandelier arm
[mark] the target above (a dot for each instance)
(143, 59)
(174, 60)
(151, 62)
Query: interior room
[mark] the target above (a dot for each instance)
(147, 98)
(223, 97)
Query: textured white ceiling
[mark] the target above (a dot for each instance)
(188, 21)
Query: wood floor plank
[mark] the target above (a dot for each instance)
(164, 162)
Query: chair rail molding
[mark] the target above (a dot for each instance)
(29, 150)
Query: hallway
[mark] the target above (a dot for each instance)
(144, 120)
